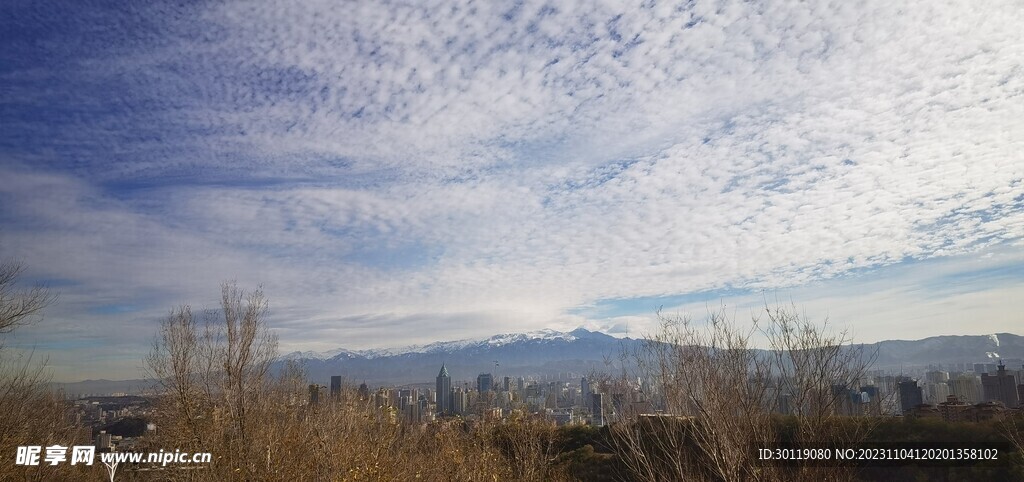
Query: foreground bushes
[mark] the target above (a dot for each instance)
(217, 395)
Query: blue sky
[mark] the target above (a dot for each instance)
(398, 173)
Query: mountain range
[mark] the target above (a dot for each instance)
(550, 353)
(540, 353)
(554, 353)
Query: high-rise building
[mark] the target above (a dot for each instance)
(935, 393)
(967, 388)
(871, 399)
(910, 395)
(460, 401)
(846, 401)
(412, 412)
(405, 397)
(1000, 387)
(618, 406)
(444, 392)
(597, 409)
(484, 382)
(103, 441)
(585, 389)
(336, 388)
(937, 376)
(506, 384)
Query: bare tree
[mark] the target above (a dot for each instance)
(31, 413)
(711, 392)
(814, 369)
(717, 397)
(528, 444)
(263, 427)
(810, 363)
(1012, 427)
(19, 306)
(214, 378)
(249, 349)
(176, 363)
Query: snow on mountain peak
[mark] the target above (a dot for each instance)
(546, 334)
(318, 355)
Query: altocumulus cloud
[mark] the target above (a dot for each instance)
(455, 169)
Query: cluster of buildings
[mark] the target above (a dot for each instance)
(97, 412)
(965, 392)
(92, 411)
(563, 401)
(985, 392)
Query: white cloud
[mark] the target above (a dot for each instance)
(473, 173)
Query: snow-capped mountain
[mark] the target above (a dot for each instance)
(444, 346)
(581, 351)
(320, 355)
(549, 352)
(514, 354)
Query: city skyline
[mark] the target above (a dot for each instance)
(395, 175)
(953, 392)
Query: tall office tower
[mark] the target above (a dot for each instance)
(618, 405)
(967, 388)
(1000, 387)
(336, 388)
(506, 384)
(484, 382)
(597, 409)
(935, 393)
(585, 389)
(405, 397)
(910, 395)
(937, 376)
(871, 396)
(103, 441)
(444, 392)
(460, 401)
(411, 411)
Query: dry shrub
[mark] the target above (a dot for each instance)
(715, 394)
(216, 395)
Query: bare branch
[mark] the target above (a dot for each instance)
(20, 307)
